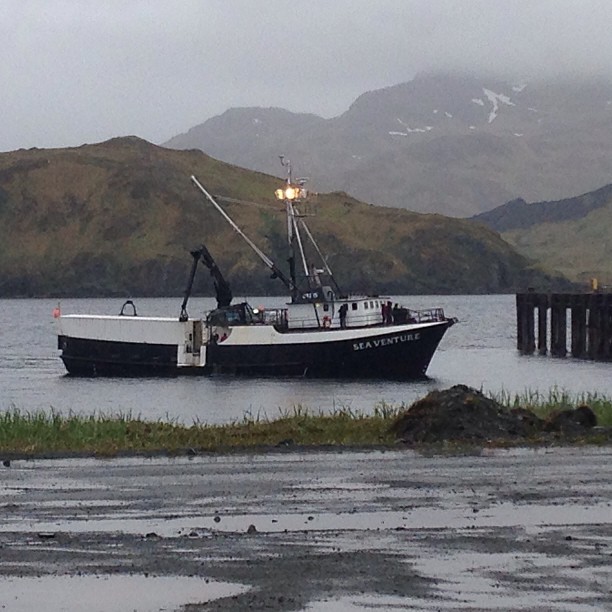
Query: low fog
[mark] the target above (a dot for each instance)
(77, 72)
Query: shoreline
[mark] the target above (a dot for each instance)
(597, 439)
(456, 420)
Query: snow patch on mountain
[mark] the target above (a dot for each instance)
(478, 101)
(495, 99)
(409, 130)
(427, 128)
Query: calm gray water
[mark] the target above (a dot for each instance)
(479, 351)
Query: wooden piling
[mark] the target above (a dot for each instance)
(542, 325)
(606, 327)
(593, 333)
(558, 327)
(528, 333)
(579, 320)
(525, 338)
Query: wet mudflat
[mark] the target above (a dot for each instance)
(508, 530)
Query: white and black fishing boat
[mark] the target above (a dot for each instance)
(321, 331)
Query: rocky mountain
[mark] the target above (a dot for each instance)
(572, 236)
(456, 145)
(119, 218)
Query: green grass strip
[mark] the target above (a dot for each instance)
(544, 404)
(40, 432)
(44, 433)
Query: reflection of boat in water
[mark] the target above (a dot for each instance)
(321, 332)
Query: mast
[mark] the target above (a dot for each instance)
(293, 232)
(292, 195)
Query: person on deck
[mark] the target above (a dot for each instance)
(389, 318)
(395, 313)
(342, 313)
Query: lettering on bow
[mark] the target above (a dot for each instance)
(378, 342)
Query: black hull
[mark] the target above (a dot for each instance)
(84, 357)
(394, 355)
(381, 357)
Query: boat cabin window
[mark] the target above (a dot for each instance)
(233, 316)
(365, 305)
(371, 304)
(238, 314)
(354, 305)
(326, 307)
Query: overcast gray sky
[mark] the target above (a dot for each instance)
(77, 71)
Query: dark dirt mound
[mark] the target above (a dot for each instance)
(571, 421)
(465, 415)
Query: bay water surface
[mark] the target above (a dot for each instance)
(479, 351)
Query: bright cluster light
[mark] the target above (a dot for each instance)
(289, 193)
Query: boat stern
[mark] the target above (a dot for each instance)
(93, 345)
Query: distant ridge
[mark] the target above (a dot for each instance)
(571, 236)
(454, 144)
(518, 214)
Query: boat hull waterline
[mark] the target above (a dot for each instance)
(138, 346)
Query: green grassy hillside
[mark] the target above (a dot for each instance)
(580, 248)
(118, 218)
(570, 235)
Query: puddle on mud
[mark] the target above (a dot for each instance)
(473, 581)
(360, 603)
(110, 593)
(499, 515)
(390, 603)
(68, 504)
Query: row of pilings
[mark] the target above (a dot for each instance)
(586, 333)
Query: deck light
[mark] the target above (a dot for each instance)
(290, 193)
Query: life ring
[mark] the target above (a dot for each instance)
(326, 322)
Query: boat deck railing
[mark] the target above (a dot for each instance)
(279, 318)
(274, 316)
(430, 315)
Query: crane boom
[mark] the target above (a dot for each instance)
(223, 291)
(277, 273)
